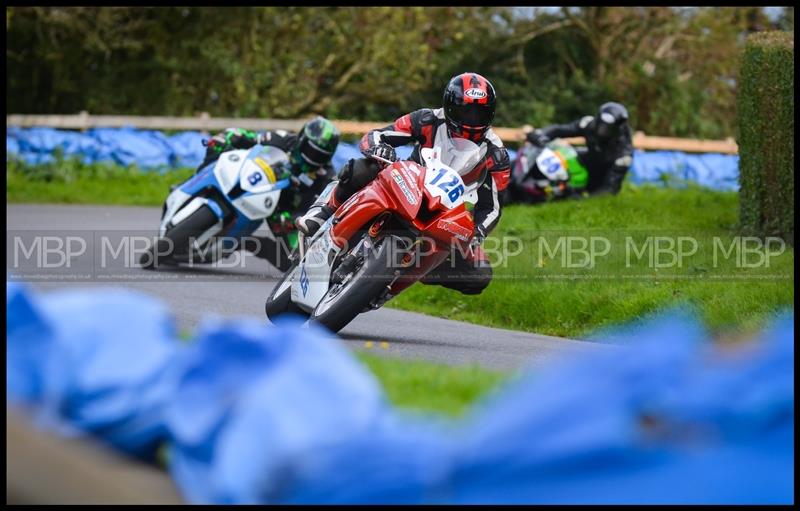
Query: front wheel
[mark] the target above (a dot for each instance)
(176, 241)
(280, 299)
(366, 281)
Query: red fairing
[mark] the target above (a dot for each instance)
(397, 188)
(453, 226)
(404, 180)
(359, 209)
(400, 189)
(451, 232)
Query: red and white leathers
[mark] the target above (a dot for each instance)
(427, 128)
(468, 274)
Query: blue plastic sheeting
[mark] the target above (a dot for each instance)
(103, 363)
(154, 150)
(669, 421)
(188, 148)
(671, 168)
(128, 146)
(236, 426)
(259, 414)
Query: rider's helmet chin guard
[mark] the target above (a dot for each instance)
(469, 106)
(315, 145)
(610, 119)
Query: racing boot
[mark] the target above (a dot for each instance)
(319, 212)
(317, 215)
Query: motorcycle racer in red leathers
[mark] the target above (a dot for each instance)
(468, 111)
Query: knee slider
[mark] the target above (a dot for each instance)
(481, 278)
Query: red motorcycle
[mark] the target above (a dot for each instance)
(384, 238)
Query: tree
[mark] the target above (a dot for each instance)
(675, 68)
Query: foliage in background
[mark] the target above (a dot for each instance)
(674, 67)
(766, 135)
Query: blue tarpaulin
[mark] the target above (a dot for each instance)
(155, 150)
(712, 170)
(283, 414)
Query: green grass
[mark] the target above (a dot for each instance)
(421, 386)
(418, 386)
(528, 292)
(71, 182)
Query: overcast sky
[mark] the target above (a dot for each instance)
(527, 12)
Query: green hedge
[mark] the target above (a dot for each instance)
(765, 110)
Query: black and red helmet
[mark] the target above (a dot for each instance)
(469, 106)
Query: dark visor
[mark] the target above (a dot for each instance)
(474, 115)
(313, 154)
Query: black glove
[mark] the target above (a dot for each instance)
(231, 138)
(537, 137)
(381, 150)
(214, 145)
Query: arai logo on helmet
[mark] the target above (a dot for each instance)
(475, 93)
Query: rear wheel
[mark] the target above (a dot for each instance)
(365, 281)
(177, 239)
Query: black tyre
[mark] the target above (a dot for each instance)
(176, 240)
(343, 303)
(150, 261)
(280, 299)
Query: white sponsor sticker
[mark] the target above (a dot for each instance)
(403, 187)
(475, 93)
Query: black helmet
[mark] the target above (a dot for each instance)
(315, 145)
(469, 105)
(610, 119)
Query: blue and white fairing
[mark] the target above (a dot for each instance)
(248, 180)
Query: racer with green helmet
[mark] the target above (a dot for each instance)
(310, 152)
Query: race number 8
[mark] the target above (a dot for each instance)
(255, 177)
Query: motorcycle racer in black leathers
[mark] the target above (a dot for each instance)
(609, 149)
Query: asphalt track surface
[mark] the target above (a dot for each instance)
(240, 289)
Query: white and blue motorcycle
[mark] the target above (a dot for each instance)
(205, 217)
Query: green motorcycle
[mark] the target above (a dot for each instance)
(544, 173)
